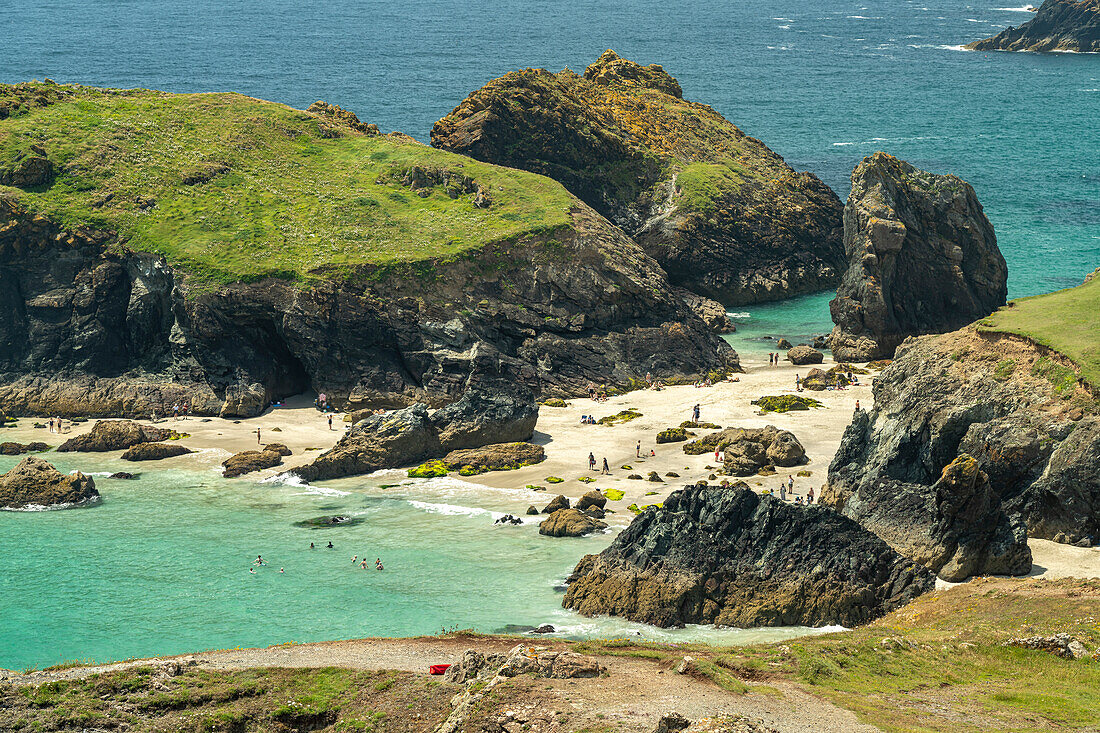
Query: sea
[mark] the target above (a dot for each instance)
(162, 565)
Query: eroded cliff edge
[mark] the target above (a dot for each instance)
(1059, 25)
(722, 213)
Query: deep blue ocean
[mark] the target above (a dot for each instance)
(822, 83)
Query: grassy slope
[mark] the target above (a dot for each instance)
(1065, 321)
(291, 203)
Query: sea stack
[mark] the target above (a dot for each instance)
(922, 258)
(36, 483)
(1060, 25)
(728, 556)
(724, 215)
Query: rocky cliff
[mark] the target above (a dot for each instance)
(976, 442)
(922, 258)
(731, 557)
(723, 214)
(302, 252)
(1060, 25)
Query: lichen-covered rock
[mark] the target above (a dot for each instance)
(673, 435)
(802, 354)
(34, 482)
(970, 444)
(724, 215)
(154, 451)
(249, 461)
(818, 380)
(495, 457)
(569, 523)
(109, 435)
(922, 258)
(730, 557)
(747, 450)
(1059, 25)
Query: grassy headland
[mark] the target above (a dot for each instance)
(1064, 321)
(238, 189)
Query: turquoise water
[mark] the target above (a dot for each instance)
(162, 565)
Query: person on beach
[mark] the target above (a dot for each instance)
(606, 469)
(591, 462)
(782, 492)
(252, 570)
(798, 383)
(695, 413)
(260, 560)
(790, 483)
(652, 453)
(354, 559)
(330, 421)
(810, 496)
(857, 405)
(257, 436)
(638, 450)
(363, 564)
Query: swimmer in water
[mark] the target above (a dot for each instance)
(380, 566)
(252, 570)
(281, 570)
(354, 558)
(259, 560)
(311, 546)
(329, 545)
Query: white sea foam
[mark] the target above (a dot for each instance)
(289, 479)
(784, 27)
(52, 507)
(91, 473)
(745, 315)
(1023, 9)
(945, 47)
(975, 20)
(778, 48)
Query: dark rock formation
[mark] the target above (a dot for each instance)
(591, 499)
(279, 448)
(17, 449)
(154, 451)
(747, 450)
(728, 556)
(922, 258)
(818, 380)
(710, 311)
(558, 502)
(569, 523)
(783, 343)
(723, 214)
(673, 435)
(35, 482)
(249, 461)
(1060, 25)
(970, 444)
(90, 328)
(108, 435)
(411, 435)
(802, 355)
(495, 457)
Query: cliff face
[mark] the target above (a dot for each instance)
(731, 557)
(1060, 25)
(120, 299)
(975, 443)
(922, 258)
(723, 214)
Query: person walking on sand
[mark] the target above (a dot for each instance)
(695, 413)
(782, 491)
(638, 450)
(591, 462)
(330, 421)
(606, 469)
(797, 383)
(257, 436)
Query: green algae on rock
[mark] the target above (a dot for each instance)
(785, 403)
(723, 214)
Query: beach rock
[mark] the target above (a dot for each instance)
(483, 417)
(34, 482)
(496, 457)
(710, 311)
(569, 523)
(922, 258)
(595, 512)
(818, 380)
(962, 459)
(532, 510)
(724, 215)
(1059, 25)
(727, 556)
(123, 475)
(109, 435)
(16, 449)
(654, 477)
(154, 451)
(673, 435)
(748, 450)
(591, 499)
(544, 629)
(782, 344)
(29, 169)
(522, 659)
(249, 461)
(558, 502)
(279, 448)
(801, 355)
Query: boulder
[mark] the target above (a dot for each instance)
(801, 355)
(279, 448)
(154, 451)
(727, 556)
(654, 477)
(109, 435)
(34, 482)
(818, 380)
(673, 435)
(922, 258)
(532, 510)
(748, 450)
(483, 417)
(123, 475)
(783, 343)
(558, 502)
(522, 659)
(569, 523)
(28, 169)
(495, 457)
(17, 449)
(249, 461)
(591, 499)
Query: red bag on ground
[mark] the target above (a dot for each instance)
(438, 668)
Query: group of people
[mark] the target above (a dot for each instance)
(773, 358)
(592, 464)
(259, 562)
(651, 384)
(377, 563)
(57, 425)
(588, 419)
(597, 395)
(178, 409)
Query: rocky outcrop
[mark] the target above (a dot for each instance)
(539, 661)
(801, 355)
(591, 499)
(724, 215)
(109, 435)
(12, 448)
(922, 258)
(411, 435)
(35, 483)
(710, 311)
(730, 557)
(558, 502)
(91, 327)
(251, 460)
(570, 523)
(495, 457)
(819, 380)
(154, 451)
(747, 450)
(1060, 25)
(975, 442)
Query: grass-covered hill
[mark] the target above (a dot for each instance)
(237, 189)
(1066, 321)
(723, 213)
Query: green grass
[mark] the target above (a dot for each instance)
(285, 198)
(703, 186)
(1064, 321)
